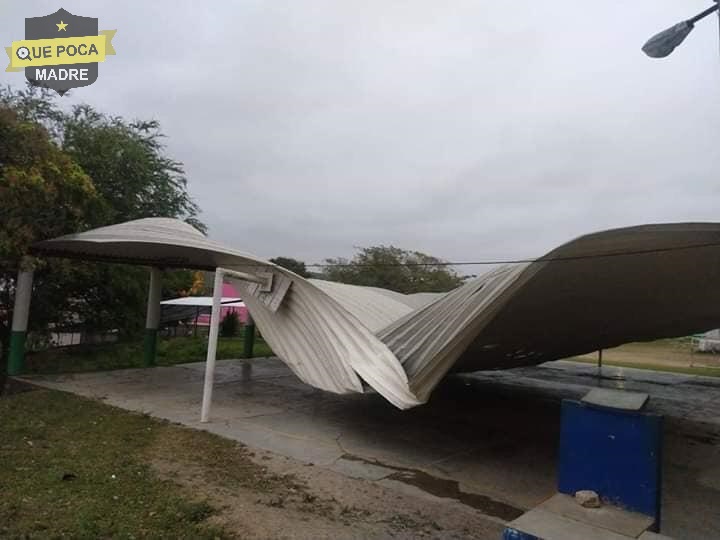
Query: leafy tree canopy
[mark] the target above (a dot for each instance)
(393, 268)
(64, 172)
(292, 264)
(128, 166)
(43, 193)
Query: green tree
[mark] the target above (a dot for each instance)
(178, 283)
(128, 165)
(43, 193)
(123, 166)
(393, 268)
(292, 264)
(135, 179)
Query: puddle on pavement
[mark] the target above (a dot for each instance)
(441, 487)
(449, 489)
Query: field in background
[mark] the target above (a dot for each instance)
(673, 355)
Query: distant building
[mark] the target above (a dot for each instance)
(195, 310)
(707, 342)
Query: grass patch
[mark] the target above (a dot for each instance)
(77, 468)
(689, 370)
(107, 356)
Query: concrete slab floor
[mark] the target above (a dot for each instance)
(487, 439)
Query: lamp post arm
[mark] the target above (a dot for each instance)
(702, 14)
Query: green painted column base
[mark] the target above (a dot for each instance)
(150, 347)
(16, 357)
(248, 340)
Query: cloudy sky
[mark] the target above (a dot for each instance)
(469, 130)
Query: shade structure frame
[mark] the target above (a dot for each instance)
(594, 292)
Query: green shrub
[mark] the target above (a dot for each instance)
(230, 325)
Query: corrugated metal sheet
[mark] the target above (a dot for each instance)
(326, 345)
(598, 291)
(430, 339)
(371, 306)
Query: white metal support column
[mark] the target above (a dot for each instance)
(214, 328)
(212, 346)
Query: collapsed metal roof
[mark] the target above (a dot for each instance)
(594, 292)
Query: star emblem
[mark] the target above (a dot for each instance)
(62, 26)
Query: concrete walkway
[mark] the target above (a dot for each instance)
(488, 439)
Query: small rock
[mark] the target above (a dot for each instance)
(588, 498)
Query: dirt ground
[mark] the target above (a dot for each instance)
(308, 502)
(314, 502)
(176, 482)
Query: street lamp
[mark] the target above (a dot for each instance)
(662, 44)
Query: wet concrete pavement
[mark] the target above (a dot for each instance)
(487, 439)
(676, 395)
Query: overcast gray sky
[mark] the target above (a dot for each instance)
(465, 129)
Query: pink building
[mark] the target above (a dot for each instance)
(231, 303)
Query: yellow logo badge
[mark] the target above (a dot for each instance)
(61, 51)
